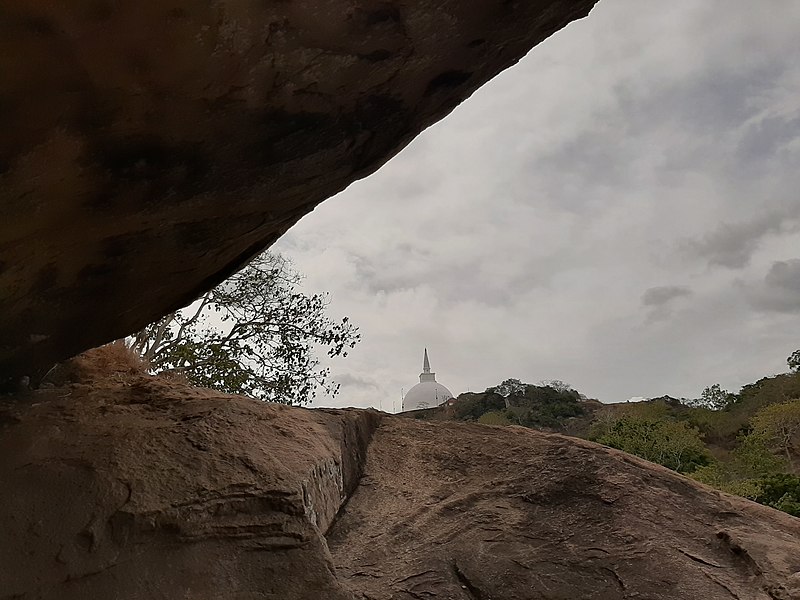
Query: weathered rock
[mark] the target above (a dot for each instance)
(136, 488)
(453, 510)
(149, 149)
(145, 489)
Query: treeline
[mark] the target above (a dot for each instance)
(744, 443)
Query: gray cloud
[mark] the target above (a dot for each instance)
(348, 381)
(780, 289)
(658, 296)
(661, 301)
(733, 245)
(766, 138)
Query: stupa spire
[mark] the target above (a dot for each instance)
(426, 374)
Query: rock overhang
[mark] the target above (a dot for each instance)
(150, 150)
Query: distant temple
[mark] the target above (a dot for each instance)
(427, 393)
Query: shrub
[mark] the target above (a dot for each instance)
(673, 444)
(470, 407)
(782, 492)
(494, 417)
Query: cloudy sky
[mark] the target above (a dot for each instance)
(621, 210)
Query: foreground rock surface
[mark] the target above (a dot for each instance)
(150, 149)
(138, 488)
(448, 510)
(143, 489)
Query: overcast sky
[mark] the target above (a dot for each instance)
(621, 210)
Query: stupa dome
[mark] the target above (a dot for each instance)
(428, 392)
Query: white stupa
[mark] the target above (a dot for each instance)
(427, 393)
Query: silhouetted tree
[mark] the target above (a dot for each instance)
(253, 334)
(794, 361)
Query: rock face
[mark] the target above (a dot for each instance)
(149, 149)
(449, 510)
(143, 489)
(136, 488)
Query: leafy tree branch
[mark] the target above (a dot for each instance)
(254, 334)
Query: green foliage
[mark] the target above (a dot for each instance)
(782, 492)
(745, 469)
(556, 384)
(547, 407)
(746, 488)
(494, 417)
(724, 427)
(549, 394)
(718, 475)
(673, 444)
(752, 458)
(470, 407)
(766, 391)
(753, 471)
(508, 388)
(605, 420)
(705, 419)
(541, 405)
(525, 404)
(713, 398)
(653, 410)
(714, 474)
(254, 334)
(777, 425)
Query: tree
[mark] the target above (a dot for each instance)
(746, 471)
(471, 406)
(673, 444)
(782, 492)
(556, 384)
(253, 334)
(778, 424)
(714, 398)
(549, 407)
(510, 387)
(794, 361)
